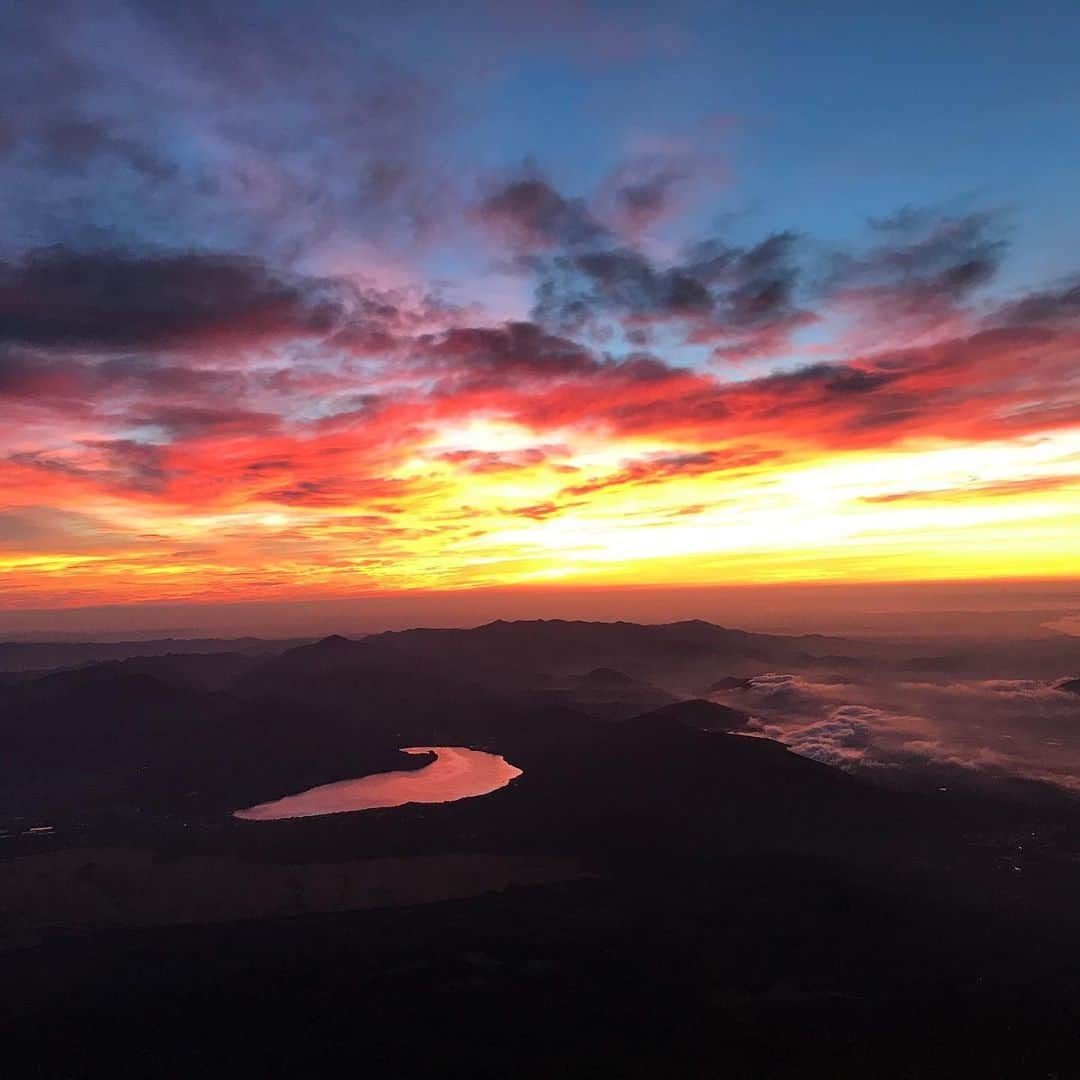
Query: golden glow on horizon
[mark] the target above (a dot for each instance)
(284, 324)
(1006, 509)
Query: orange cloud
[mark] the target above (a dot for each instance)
(206, 427)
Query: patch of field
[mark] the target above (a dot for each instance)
(127, 886)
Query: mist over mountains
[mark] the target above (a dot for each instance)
(988, 707)
(763, 829)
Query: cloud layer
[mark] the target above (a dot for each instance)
(265, 328)
(999, 727)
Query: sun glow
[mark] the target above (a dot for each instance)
(486, 512)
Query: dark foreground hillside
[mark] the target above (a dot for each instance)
(656, 894)
(742, 967)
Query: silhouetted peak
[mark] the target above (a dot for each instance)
(1071, 686)
(607, 676)
(702, 626)
(730, 682)
(699, 713)
(332, 648)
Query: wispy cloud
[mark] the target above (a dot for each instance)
(248, 295)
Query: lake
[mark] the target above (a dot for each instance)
(456, 773)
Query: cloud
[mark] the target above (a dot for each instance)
(280, 283)
(924, 265)
(59, 298)
(520, 349)
(656, 468)
(845, 736)
(109, 464)
(297, 142)
(302, 389)
(540, 511)
(497, 461)
(646, 190)
(976, 490)
(48, 529)
(746, 302)
(188, 422)
(1018, 727)
(1046, 307)
(658, 180)
(741, 301)
(530, 215)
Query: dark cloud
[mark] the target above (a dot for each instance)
(1049, 307)
(540, 511)
(193, 421)
(66, 381)
(490, 461)
(322, 492)
(646, 190)
(656, 468)
(337, 490)
(302, 143)
(26, 375)
(757, 285)
(141, 464)
(521, 349)
(925, 252)
(111, 464)
(992, 384)
(530, 214)
(293, 142)
(832, 380)
(741, 300)
(107, 301)
(72, 143)
(270, 465)
(925, 265)
(627, 283)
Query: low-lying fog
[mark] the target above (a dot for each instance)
(1024, 727)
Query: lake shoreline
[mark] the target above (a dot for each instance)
(456, 772)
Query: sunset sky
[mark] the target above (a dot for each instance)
(328, 300)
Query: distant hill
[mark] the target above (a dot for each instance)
(242, 721)
(729, 902)
(606, 693)
(114, 735)
(656, 782)
(577, 647)
(502, 655)
(606, 677)
(46, 655)
(203, 671)
(701, 714)
(729, 682)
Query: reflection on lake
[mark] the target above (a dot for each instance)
(456, 773)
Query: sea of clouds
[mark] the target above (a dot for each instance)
(1008, 727)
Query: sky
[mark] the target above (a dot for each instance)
(307, 303)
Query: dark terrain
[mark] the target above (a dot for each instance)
(725, 907)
